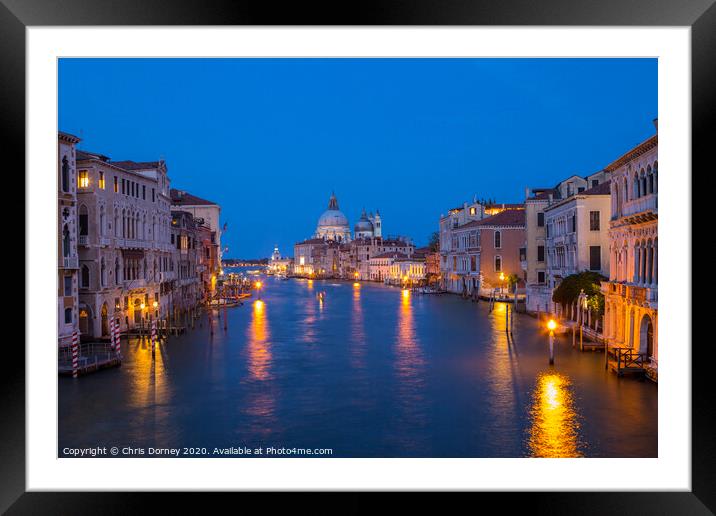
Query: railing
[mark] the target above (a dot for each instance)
(645, 203)
(70, 262)
(135, 283)
(89, 352)
(83, 240)
(133, 243)
(105, 241)
(627, 358)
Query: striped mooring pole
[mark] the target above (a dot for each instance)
(111, 335)
(75, 355)
(117, 342)
(154, 334)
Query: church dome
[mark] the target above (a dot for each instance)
(363, 224)
(332, 218)
(333, 224)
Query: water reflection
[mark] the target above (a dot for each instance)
(502, 374)
(149, 378)
(357, 331)
(409, 369)
(555, 429)
(258, 346)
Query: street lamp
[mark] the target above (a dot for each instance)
(258, 288)
(141, 319)
(551, 325)
(502, 283)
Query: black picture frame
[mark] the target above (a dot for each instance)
(700, 15)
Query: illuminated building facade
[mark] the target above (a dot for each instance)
(123, 235)
(631, 294)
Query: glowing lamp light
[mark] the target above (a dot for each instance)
(155, 304)
(406, 292)
(142, 306)
(356, 284)
(551, 325)
(502, 276)
(258, 284)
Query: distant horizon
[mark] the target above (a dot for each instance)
(270, 139)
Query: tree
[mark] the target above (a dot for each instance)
(512, 281)
(568, 290)
(434, 241)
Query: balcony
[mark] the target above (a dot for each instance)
(636, 293)
(135, 283)
(105, 241)
(133, 243)
(69, 262)
(641, 294)
(648, 203)
(83, 240)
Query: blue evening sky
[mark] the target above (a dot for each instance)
(269, 139)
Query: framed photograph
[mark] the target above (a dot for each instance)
(417, 250)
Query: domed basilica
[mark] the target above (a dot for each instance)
(333, 224)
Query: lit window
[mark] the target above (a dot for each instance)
(116, 185)
(83, 179)
(101, 180)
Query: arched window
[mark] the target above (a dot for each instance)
(85, 277)
(68, 315)
(84, 220)
(117, 279)
(103, 273)
(65, 241)
(655, 174)
(65, 175)
(498, 239)
(635, 186)
(124, 224)
(642, 178)
(649, 180)
(116, 222)
(498, 263)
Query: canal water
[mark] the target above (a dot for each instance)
(371, 371)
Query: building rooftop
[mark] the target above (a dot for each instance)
(312, 241)
(137, 165)
(504, 218)
(71, 138)
(182, 198)
(600, 189)
(85, 155)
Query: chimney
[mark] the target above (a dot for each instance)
(527, 193)
(656, 125)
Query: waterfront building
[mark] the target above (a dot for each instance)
(631, 294)
(379, 266)
(124, 249)
(407, 269)
(453, 251)
(185, 292)
(577, 237)
(432, 266)
(67, 254)
(208, 263)
(537, 200)
(208, 211)
(278, 264)
(497, 245)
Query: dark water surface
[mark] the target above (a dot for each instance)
(370, 372)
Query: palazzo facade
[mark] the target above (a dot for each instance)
(631, 294)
